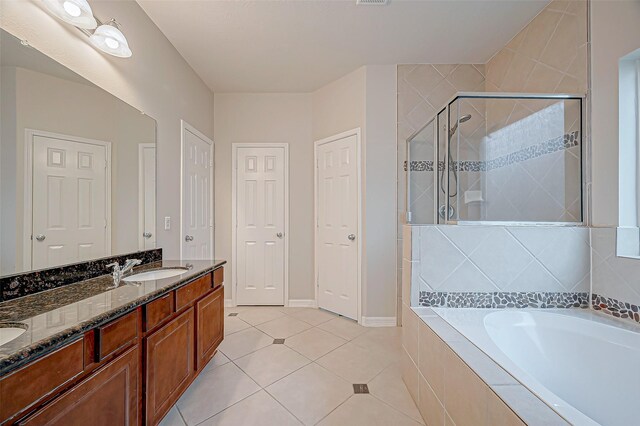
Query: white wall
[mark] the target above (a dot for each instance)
(156, 80)
(607, 47)
(259, 118)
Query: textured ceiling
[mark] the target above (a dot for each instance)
(299, 46)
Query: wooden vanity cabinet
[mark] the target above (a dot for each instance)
(210, 326)
(169, 360)
(129, 371)
(107, 397)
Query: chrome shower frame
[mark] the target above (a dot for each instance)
(445, 128)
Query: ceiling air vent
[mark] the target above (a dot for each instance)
(371, 2)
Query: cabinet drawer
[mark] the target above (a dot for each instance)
(192, 291)
(158, 310)
(116, 335)
(218, 277)
(26, 386)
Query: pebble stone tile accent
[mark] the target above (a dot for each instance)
(560, 143)
(615, 307)
(494, 300)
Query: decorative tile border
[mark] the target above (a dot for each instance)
(24, 284)
(615, 307)
(533, 299)
(560, 143)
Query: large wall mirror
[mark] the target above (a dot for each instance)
(77, 166)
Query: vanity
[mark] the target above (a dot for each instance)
(121, 356)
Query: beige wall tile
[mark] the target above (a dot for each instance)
(466, 395)
(410, 333)
(564, 43)
(466, 78)
(539, 32)
(410, 376)
(499, 414)
(543, 79)
(424, 78)
(429, 405)
(431, 358)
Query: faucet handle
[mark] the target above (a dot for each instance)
(134, 261)
(113, 265)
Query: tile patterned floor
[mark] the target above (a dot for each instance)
(308, 380)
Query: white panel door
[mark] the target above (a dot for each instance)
(70, 203)
(147, 194)
(260, 211)
(337, 215)
(197, 215)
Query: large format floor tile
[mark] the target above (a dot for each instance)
(283, 327)
(366, 410)
(314, 343)
(258, 409)
(271, 363)
(353, 363)
(311, 393)
(212, 392)
(342, 327)
(307, 380)
(244, 342)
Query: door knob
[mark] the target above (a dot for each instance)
(147, 234)
(279, 235)
(40, 237)
(351, 237)
(188, 238)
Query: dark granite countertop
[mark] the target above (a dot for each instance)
(62, 315)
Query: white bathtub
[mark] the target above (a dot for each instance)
(584, 365)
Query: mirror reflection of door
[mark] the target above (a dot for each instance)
(147, 196)
(71, 180)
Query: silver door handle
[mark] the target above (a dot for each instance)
(188, 238)
(279, 235)
(40, 237)
(147, 234)
(351, 237)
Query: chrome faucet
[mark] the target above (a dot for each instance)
(119, 272)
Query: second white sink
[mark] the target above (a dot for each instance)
(9, 332)
(157, 274)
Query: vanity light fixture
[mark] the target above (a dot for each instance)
(75, 12)
(108, 38)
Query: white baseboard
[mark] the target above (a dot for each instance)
(228, 303)
(302, 303)
(379, 321)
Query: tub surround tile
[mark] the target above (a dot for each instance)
(62, 315)
(481, 364)
(616, 308)
(27, 283)
(493, 300)
(528, 407)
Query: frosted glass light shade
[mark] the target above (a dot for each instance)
(110, 39)
(75, 12)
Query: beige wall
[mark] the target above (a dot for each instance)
(51, 104)
(260, 118)
(156, 80)
(607, 47)
(365, 99)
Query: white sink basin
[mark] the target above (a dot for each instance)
(157, 274)
(9, 332)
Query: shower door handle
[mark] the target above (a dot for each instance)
(351, 237)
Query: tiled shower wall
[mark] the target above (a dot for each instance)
(541, 262)
(549, 55)
(616, 280)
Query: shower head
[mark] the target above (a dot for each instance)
(462, 119)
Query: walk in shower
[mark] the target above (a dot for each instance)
(496, 157)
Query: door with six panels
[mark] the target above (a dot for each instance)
(260, 221)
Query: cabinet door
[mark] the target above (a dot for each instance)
(169, 354)
(108, 397)
(210, 325)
